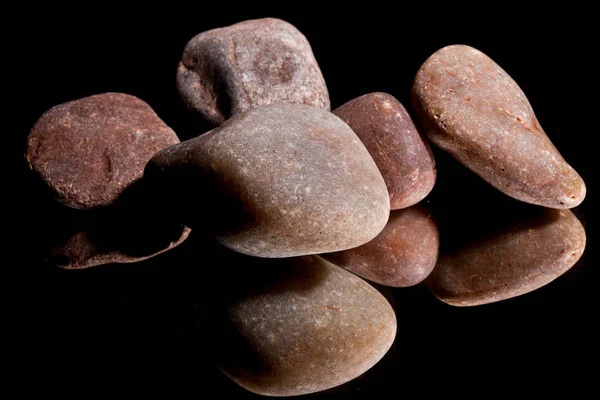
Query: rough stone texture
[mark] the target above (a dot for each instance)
(98, 247)
(89, 150)
(402, 155)
(278, 181)
(473, 109)
(300, 326)
(403, 254)
(253, 63)
(510, 263)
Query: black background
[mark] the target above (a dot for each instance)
(138, 328)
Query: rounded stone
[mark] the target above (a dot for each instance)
(401, 153)
(510, 262)
(299, 326)
(403, 254)
(89, 151)
(473, 109)
(253, 63)
(278, 181)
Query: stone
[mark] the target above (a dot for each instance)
(473, 109)
(278, 181)
(402, 255)
(509, 262)
(300, 325)
(253, 63)
(88, 151)
(401, 153)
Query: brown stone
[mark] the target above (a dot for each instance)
(300, 325)
(473, 109)
(510, 262)
(253, 63)
(402, 155)
(89, 151)
(403, 254)
(278, 181)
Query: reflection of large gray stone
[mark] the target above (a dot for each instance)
(301, 325)
(278, 181)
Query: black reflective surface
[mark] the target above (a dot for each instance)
(141, 329)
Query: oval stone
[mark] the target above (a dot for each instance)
(473, 109)
(402, 155)
(278, 181)
(300, 326)
(89, 151)
(253, 63)
(509, 263)
(402, 255)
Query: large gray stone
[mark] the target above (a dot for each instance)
(278, 181)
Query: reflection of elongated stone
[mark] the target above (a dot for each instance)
(473, 109)
(278, 181)
(403, 254)
(88, 151)
(300, 326)
(401, 154)
(253, 63)
(510, 263)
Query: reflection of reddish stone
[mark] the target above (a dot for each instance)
(473, 109)
(403, 254)
(400, 152)
(511, 262)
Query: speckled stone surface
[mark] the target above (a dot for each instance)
(253, 63)
(402, 255)
(473, 109)
(280, 181)
(88, 151)
(303, 325)
(511, 262)
(401, 153)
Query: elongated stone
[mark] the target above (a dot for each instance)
(88, 151)
(473, 109)
(403, 254)
(253, 63)
(511, 262)
(299, 326)
(278, 181)
(401, 154)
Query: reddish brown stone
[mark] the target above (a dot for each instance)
(98, 247)
(510, 262)
(473, 109)
(403, 254)
(402, 155)
(253, 63)
(89, 151)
